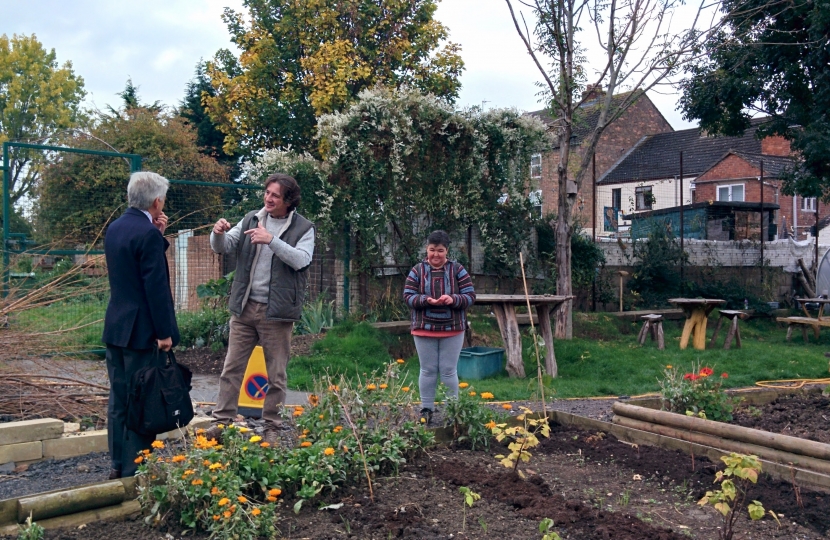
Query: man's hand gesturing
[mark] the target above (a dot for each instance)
(221, 226)
(260, 235)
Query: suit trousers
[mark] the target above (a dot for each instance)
(125, 444)
(246, 332)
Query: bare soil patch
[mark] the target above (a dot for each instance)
(593, 486)
(803, 415)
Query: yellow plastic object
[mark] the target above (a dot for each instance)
(254, 385)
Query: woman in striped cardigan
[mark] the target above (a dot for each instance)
(438, 292)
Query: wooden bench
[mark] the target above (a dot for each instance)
(734, 330)
(803, 322)
(653, 325)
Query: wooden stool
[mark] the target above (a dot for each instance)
(734, 330)
(653, 325)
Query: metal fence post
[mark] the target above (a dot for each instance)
(6, 206)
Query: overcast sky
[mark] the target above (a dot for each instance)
(159, 42)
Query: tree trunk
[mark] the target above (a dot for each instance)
(564, 229)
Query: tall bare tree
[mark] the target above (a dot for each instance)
(640, 51)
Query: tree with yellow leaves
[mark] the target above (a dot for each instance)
(303, 58)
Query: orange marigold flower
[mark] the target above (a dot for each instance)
(345, 448)
(227, 514)
(405, 389)
(371, 386)
(463, 385)
(329, 451)
(305, 444)
(200, 431)
(275, 492)
(242, 499)
(256, 512)
(197, 482)
(188, 472)
(214, 490)
(206, 463)
(313, 399)
(146, 452)
(223, 501)
(298, 412)
(472, 393)
(215, 466)
(400, 360)
(178, 459)
(333, 388)
(216, 517)
(507, 406)
(264, 444)
(486, 395)
(490, 425)
(271, 498)
(306, 431)
(157, 444)
(139, 459)
(320, 416)
(384, 386)
(337, 429)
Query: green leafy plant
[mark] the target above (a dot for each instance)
(214, 291)
(30, 530)
(470, 497)
(521, 438)
(741, 471)
(546, 528)
(233, 490)
(469, 417)
(316, 317)
(698, 393)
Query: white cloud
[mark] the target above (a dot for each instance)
(159, 42)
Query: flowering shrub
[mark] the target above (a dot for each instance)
(234, 489)
(521, 438)
(468, 415)
(697, 393)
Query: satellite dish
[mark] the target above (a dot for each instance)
(823, 277)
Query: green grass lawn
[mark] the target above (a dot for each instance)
(603, 359)
(63, 316)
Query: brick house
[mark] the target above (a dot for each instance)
(639, 120)
(725, 169)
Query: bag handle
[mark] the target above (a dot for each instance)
(170, 357)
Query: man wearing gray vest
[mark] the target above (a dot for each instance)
(273, 247)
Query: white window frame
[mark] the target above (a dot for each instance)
(651, 200)
(535, 198)
(536, 166)
(808, 204)
(730, 186)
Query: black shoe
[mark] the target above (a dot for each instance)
(115, 474)
(214, 432)
(426, 416)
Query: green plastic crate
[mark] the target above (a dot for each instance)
(480, 362)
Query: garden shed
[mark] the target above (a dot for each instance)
(710, 220)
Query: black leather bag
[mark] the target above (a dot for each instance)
(159, 398)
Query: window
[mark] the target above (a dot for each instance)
(536, 201)
(808, 204)
(616, 198)
(645, 199)
(536, 166)
(733, 193)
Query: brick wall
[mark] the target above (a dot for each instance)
(775, 146)
(641, 119)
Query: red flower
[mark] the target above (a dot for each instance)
(690, 377)
(724, 375)
(705, 372)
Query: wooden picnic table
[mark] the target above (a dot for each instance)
(821, 303)
(697, 311)
(504, 307)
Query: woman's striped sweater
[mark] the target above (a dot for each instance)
(424, 282)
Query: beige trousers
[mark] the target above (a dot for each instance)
(246, 332)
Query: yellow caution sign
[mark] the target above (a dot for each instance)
(254, 385)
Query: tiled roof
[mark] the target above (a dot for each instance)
(773, 165)
(658, 156)
(585, 118)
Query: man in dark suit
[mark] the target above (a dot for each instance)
(140, 317)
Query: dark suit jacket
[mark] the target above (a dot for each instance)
(141, 309)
